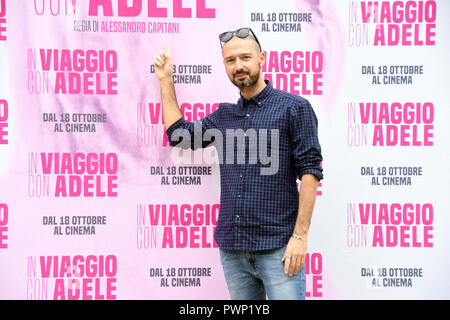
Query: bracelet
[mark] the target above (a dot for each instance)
(297, 237)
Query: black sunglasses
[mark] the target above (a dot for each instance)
(241, 33)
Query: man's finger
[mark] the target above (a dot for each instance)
(292, 266)
(160, 60)
(168, 49)
(299, 265)
(302, 263)
(287, 262)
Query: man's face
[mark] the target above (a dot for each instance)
(242, 61)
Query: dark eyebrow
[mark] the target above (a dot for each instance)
(242, 54)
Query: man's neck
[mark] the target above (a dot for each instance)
(252, 91)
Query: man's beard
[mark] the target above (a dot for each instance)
(247, 81)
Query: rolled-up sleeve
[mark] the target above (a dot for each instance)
(191, 135)
(179, 124)
(306, 150)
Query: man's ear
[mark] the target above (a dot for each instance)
(262, 58)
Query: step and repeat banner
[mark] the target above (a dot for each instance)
(95, 204)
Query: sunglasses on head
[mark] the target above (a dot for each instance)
(241, 33)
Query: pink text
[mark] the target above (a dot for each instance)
(3, 121)
(154, 10)
(3, 225)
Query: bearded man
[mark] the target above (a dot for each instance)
(264, 219)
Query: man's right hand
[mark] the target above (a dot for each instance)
(163, 64)
(164, 71)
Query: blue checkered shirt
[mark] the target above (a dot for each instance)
(258, 212)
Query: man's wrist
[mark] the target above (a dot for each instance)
(167, 79)
(297, 237)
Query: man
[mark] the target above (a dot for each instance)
(264, 220)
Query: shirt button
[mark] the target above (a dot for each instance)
(238, 195)
(248, 115)
(259, 103)
(240, 175)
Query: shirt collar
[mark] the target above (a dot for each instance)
(259, 98)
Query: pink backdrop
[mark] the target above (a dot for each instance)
(110, 220)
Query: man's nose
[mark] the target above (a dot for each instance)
(238, 64)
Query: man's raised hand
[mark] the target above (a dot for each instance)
(163, 64)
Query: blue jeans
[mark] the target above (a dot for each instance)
(252, 275)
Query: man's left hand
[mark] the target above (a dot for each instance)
(294, 256)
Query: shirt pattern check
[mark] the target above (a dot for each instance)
(258, 212)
